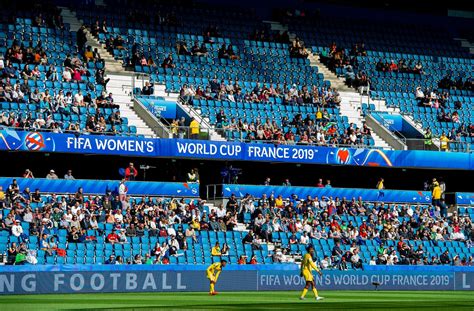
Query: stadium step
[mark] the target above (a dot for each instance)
(70, 18)
(120, 85)
(328, 75)
(351, 107)
(121, 82)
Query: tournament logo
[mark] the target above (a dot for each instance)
(34, 141)
(343, 156)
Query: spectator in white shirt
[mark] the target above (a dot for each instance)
(67, 77)
(69, 176)
(79, 99)
(17, 229)
(325, 263)
(52, 175)
(122, 191)
(419, 93)
(372, 261)
(304, 239)
(221, 211)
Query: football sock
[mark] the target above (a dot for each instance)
(211, 289)
(304, 292)
(315, 291)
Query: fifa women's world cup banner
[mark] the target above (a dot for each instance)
(236, 151)
(181, 278)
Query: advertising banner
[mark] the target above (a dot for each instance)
(12, 140)
(173, 278)
(465, 198)
(397, 196)
(101, 186)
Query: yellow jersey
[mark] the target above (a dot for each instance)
(380, 185)
(213, 271)
(216, 251)
(437, 192)
(194, 127)
(307, 266)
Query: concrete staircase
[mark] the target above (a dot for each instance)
(351, 108)
(328, 75)
(120, 84)
(466, 44)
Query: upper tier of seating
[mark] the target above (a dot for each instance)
(35, 105)
(434, 49)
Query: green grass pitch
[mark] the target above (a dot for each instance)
(334, 300)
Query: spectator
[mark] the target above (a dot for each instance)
(112, 237)
(444, 258)
(168, 62)
(356, 261)
(194, 129)
(28, 174)
(148, 89)
(52, 175)
(381, 188)
(444, 142)
(216, 250)
(131, 172)
(193, 176)
(69, 176)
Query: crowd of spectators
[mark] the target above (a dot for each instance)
(318, 128)
(461, 83)
(402, 66)
(439, 101)
(297, 49)
(16, 65)
(323, 218)
(304, 219)
(262, 93)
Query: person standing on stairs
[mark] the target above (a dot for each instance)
(81, 39)
(194, 129)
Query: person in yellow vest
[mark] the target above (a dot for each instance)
(307, 266)
(319, 116)
(194, 128)
(213, 272)
(2, 198)
(216, 250)
(444, 142)
(380, 187)
(436, 194)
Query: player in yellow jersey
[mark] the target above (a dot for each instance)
(307, 266)
(213, 272)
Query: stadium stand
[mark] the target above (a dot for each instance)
(48, 84)
(265, 88)
(86, 228)
(254, 84)
(419, 70)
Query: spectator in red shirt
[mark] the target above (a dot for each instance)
(112, 237)
(320, 183)
(131, 172)
(393, 66)
(241, 260)
(253, 261)
(28, 174)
